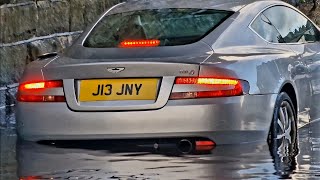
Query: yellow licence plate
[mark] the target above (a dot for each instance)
(118, 89)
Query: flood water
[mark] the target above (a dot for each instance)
(97, 161)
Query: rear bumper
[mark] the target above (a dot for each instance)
(224, 120)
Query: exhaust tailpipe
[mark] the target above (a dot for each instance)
(185, 146)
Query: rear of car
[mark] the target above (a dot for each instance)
(140, 74)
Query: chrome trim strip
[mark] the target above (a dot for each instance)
(84, 39)
(273, 5)
(51, 61)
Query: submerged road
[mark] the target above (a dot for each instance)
(97, 161)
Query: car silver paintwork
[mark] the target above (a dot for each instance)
(225, 52)
(224, 120)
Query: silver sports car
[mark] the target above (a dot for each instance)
(203, 72)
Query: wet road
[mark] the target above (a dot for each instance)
(97, 160)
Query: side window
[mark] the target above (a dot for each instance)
(266, 30)
(312, 34)
(292, 26)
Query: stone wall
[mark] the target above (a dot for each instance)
(45, 17)
(29, 28)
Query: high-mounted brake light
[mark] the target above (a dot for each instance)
(36, 92)
(221, 87)
(139, 43)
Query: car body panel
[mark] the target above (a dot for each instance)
(195, 118)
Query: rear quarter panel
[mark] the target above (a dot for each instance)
(265, 68)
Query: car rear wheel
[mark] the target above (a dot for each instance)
(283, 130)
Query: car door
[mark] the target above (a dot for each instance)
(313, 68)
(300, 36)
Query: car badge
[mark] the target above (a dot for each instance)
(116, 69)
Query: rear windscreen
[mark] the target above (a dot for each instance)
(170, 26)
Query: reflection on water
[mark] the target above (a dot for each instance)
(246, 161)
(8, 165)
(309, 158)
(225, 162)
(98, 160)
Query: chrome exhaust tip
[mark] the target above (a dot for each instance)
(185, 146)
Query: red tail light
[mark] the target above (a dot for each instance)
(206, 81)
(41, 85)
(36, 98)
(35, 92)
(139, 43)
(226, 88)
(31, 178)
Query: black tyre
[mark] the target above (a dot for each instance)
(283, 130)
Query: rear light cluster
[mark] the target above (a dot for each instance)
(35, 92)
(221, 88)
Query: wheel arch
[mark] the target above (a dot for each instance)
(289, 88)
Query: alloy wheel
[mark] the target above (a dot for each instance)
(285, 130)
